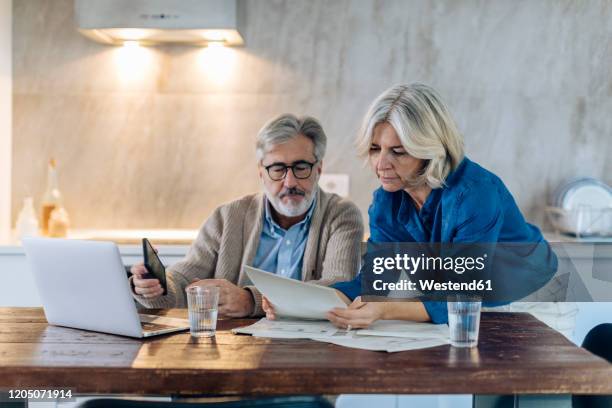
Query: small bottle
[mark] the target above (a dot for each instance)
(59, 223)
(51, 199)
(27, 223)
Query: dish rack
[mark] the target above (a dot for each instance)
(583, 221)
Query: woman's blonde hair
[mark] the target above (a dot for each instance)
(424, 126)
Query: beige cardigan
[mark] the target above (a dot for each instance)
(229, 238)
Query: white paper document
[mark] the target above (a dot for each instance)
(293, 298)
(296, 301)
(288, 329)
(406, 329)
(380, 343)
(377, 338)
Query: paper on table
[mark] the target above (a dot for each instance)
(406, 329)
(326, 332)
(380, 343)
(288, 329)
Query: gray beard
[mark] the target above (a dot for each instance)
(291, 210)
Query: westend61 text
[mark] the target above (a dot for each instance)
(428, 285)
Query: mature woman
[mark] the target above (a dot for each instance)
(430, 192)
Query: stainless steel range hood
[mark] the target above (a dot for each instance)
(195, 22)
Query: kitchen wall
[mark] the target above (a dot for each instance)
(158, 137)
(6, 12)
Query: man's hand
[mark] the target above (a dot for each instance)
(147, 288)
(233, 300)
(358, 315)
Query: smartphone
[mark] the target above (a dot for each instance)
(153, 264)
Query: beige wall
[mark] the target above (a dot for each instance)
(6, 11)
(159, 138)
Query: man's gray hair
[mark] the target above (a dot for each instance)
(286, 127)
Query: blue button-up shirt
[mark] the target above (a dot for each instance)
(473, 206)
(281, 251)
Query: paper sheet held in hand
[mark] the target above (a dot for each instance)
(292, 298)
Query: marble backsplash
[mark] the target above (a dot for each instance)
(157, 137)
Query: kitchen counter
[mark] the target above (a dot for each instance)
(127, 238)
(134, 236)
(556, 237)
(181, 239)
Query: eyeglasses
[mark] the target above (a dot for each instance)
(301, 170)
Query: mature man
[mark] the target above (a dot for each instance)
(293, 229)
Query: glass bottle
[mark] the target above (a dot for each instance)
(52, 198)
(27, 223)
(59, 223)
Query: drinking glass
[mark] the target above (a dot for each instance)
(202, 304)
(464, 321)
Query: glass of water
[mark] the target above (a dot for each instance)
(464, 321)
(202, 303)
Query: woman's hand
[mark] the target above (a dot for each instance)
(268, 308)
(358, 315)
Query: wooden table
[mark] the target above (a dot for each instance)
(517, 354)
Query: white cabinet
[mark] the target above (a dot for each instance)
(17, 287)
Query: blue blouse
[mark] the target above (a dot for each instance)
(473, 206)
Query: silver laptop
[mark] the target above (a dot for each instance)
(83, 284)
